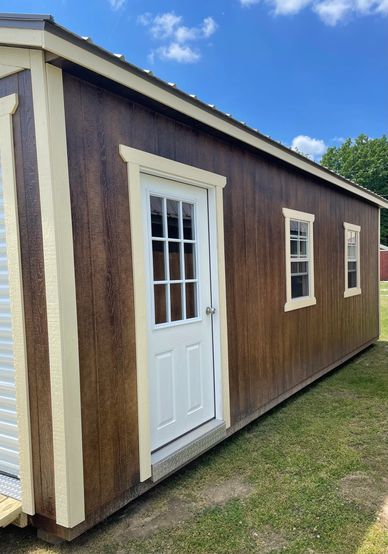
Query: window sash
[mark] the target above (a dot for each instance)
(352, 259)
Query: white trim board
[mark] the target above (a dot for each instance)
(8, 106)
(54, 190)
(354, 291)
(310, 300)
(141, 162)
(155, 89)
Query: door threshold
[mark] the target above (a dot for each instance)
(185, 449)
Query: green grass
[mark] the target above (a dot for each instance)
(310, 477)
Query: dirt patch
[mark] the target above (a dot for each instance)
(268, 541)
(220, 493)
(362, 489)
(146, 519)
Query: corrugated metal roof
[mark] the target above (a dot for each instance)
(47, 22)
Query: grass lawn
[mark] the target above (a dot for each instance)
(310, 477)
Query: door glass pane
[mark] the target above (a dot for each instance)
(191, 300)
(173, 219)
(188, 220)
(174, 258)
(176, 302)
(158, 260)
(157, 216)
(190, 270)
(160, 300)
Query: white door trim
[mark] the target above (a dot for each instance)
(8, 106)
(139, 162)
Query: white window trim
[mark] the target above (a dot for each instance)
(297, 303)
(354, 291)
(8, 106)
(139, 162)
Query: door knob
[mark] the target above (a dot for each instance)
(210, 310)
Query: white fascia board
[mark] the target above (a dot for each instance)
(123, 75)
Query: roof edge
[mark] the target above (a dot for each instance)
(247, 135)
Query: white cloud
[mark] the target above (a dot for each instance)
(331, 12)
(116, 4)
(311, 147)
(285, 7)
(169, 27)
(178, 52)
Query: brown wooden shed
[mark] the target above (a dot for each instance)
(168, 274)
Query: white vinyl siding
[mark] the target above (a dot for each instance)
(352, 260)
(9, 443)
(299, 259)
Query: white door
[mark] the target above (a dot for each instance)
(9, 445)
(180, 344)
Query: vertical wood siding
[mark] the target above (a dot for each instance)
(34, 291)
(270, 351)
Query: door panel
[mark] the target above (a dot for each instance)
(180, 348)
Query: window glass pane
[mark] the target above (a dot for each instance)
(298, 268)
(299, 286)
(303, 248)
(352, 279)
(158, 260)
(191, 300)
(293, 227)
(174, 259)
(173, 219)
(176, 302)
(190, 269)
(352, 253)
(294, 248)
(160, 303)
(303, 228)
(188, 220)
(352, 266)
(157, 216)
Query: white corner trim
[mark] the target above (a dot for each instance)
(8, 106)
(304, 302)
(141, 162)
(354, 291)
(47, 90)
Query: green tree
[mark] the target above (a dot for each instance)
(364, 161)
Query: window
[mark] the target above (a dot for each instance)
(174, 261)
(352, 260)
(299, 259)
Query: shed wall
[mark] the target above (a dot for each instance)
(33, 290)
(270, 351)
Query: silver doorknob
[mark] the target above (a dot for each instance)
(210, 310)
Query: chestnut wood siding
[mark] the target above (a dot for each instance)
(270, 351)
(33, 290)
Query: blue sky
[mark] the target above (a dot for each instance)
(292, 68)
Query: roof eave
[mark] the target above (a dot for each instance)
(40, 31)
